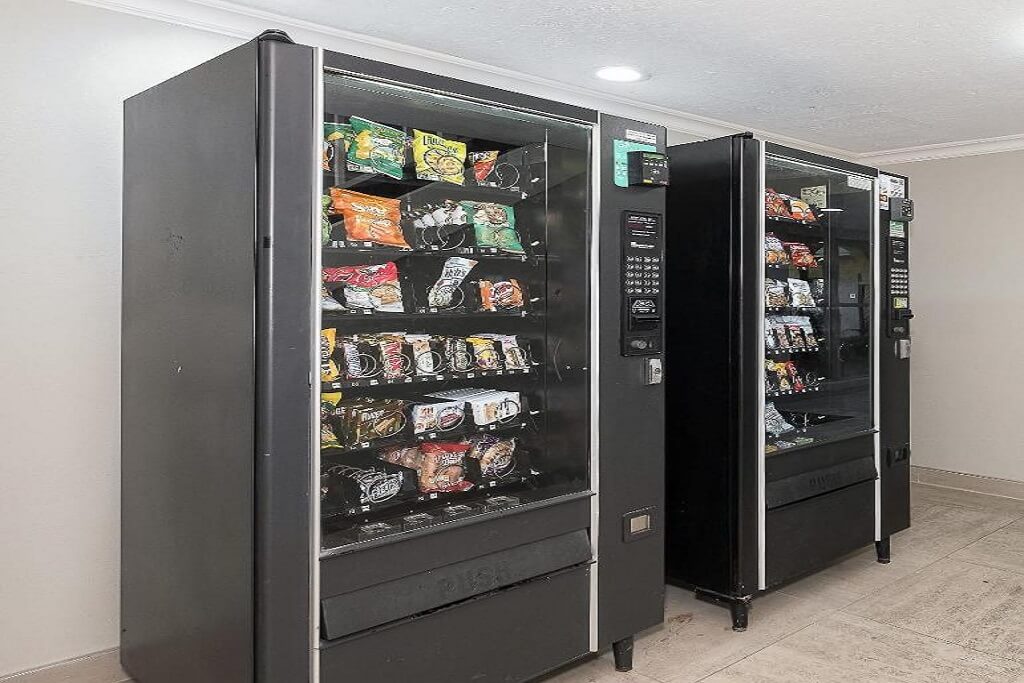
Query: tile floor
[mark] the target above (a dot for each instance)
(949, 609)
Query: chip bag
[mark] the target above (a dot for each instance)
(500, 295)
(373, 287)
(377, 147)
(438, 159)
(494, 226)
(329, 370)
(369, 218)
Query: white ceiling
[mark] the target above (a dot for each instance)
(862, 75)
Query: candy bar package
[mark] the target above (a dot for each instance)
(775, 293)
(511, 355)
(369, 218)
(497, 456)
(795, 379)
(447, 291)
(774, 252)
(494, 226)
(795, 335)
(364, 481)
(774, 423)
(491, 170)
(395, 364)
(800, 255)
(444, 467)
(427, 360)
(376, 148)
(362, 420)
(800, 293)
(775, 328)
(328, 407)
(771, 377)
(329, 369)
(437, 416)
(438, 159)
(498, 294)
(818, 291)
(361, 357)
(373, 287)
(485, 353)
(457, 354)
(774, 204)
(770, 342)
(810, 338)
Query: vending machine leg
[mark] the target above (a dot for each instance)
(883, 550)
(623, 652)
(740, 610)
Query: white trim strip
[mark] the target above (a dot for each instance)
(314, 484)
(595, 376)
(876, 354)
(944, 150)
(762, 497)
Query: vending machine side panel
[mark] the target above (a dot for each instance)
(188, 375)
(894, 373)
(631, 442)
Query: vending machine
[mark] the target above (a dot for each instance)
(381, 332)
(785, 352)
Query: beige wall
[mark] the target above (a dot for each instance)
(63, 75)
(967, 289)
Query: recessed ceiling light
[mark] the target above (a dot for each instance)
(621, 74)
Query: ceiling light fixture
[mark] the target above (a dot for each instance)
(621, 74)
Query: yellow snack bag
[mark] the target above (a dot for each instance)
(439, 159)
(329, 370)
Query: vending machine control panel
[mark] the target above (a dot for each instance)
(899, 281)
(642, 282)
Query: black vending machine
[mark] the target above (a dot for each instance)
(784, 354)
(373, 388)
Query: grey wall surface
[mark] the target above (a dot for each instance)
(966, 264)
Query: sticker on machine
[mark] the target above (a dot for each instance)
(641, 136)
(858, 182)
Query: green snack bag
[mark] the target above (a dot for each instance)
(494, 226)
(378, 147)
(325, 222)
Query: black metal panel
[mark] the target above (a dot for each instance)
(497, 637)
(820, 160)
(632, 422)
(394, 600)
(444, 84)
(377, 564)
(712, 383)
(791, 463)
(819, 481)
(287, 154)
(807, 536)
(894, 393)
(187, 376)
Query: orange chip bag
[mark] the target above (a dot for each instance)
(369, 218)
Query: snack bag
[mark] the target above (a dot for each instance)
(405, 456)
(457, 354)
(438, 159)
(337, 137)
(442, 468)
(437, 417)
(329, 370)
(494, 226)
(325, 222)
(443, 292)
(377, 147)
(771, 378)
(800, 293)
(801, 255)
(483, 166)
(369, 218)
(512, 356)
(794, 377)
(328, 302)
(497, 456)
(485, 353)
(795, 334)
(782, 377)
(810, 339)
(503, 173)
(500, 295)
(774, 204)
(774, 253)
(328, 405)
(374, 287)
(774, 423)
(394, 363)
(775, 293)
(800, 210)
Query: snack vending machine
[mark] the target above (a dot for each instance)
(776, 324)
(373, 386)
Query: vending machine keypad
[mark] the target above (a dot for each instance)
(642, 283)
(899, 283)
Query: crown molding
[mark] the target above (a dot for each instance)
(243, 23)
(945, 150)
